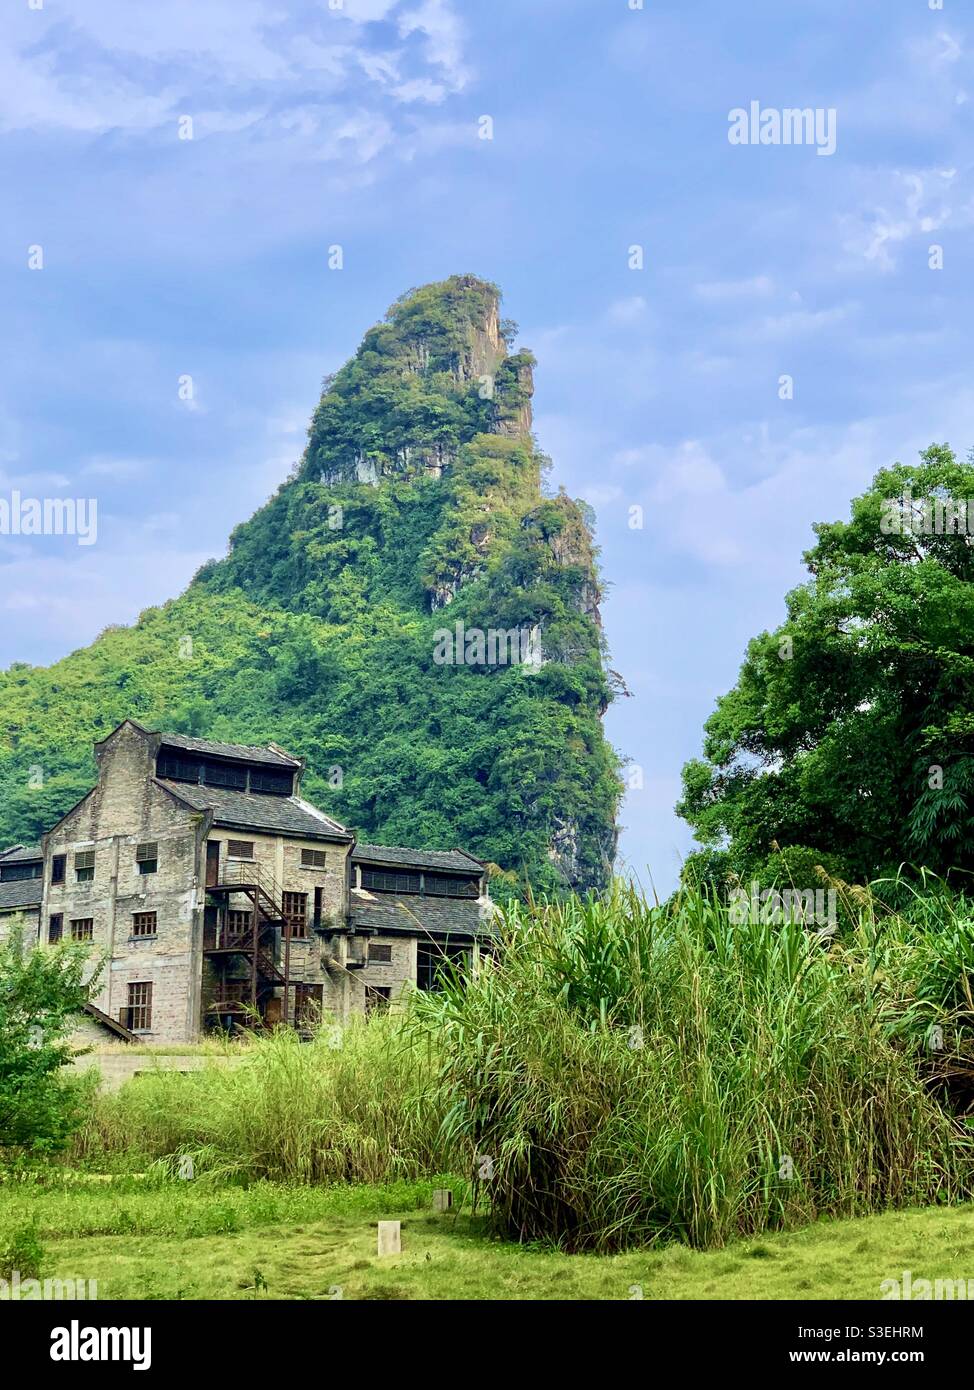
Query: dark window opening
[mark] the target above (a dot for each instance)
(84, 865)
(225, 775)
(58, 866)
(272, 783)
(177, 769)
(240, 849)
(312, 859)
(383, 882)
(443, 887)
(55, 927)
(377, 998)
(144, 924)
(382, 955)
(14, 873)
(438, 962)
(82, 928)
(147, 857)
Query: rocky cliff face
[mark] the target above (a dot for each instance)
(418, 507)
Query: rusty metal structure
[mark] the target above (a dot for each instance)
(251, 964)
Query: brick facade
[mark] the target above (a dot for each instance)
(141, 868)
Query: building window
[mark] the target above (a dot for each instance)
(437, 961)
(14, 873)
(308, 1004)
(147, 857)
(383, 882)
(272, 783)
(381, 955)
(140, 1008)
(239, 923)
(240, 849)
(82, 928)
(296, 913)
(55, 927)
(58, 865)
(312, 859)
(84, 865)
(443, 887)
(143, 924)
(177, 769)
(225, 775)
(377, 997)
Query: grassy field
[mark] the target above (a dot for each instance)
(274, 1241)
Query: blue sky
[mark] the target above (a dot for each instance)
(358, 125)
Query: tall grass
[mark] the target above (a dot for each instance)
(337, 1109)
(622, 1074)
(630, 1074)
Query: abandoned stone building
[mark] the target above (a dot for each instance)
(215, 895)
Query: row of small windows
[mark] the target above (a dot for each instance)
(146, 861)
(83, 928)
(228, 775)
(385, 881)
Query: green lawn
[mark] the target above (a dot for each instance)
(189, 1241)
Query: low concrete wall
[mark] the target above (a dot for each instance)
(118, 1067)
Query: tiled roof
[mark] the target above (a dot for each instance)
(24, 892)
(243, 751)
(416, 913)
(21, 854)
(278, 815)
(451, 861)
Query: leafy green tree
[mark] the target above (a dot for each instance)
(850, 730)
(40, 990)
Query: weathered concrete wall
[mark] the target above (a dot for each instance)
(118, 1067)
(125, 809)
(24, 918)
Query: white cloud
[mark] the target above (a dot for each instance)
(757, 285)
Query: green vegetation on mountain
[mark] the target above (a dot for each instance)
(850, 731)
(418, 505)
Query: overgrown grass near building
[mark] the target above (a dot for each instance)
(353, 1105)
(633, 1074)
(623, 1075)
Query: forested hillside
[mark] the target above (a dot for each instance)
(418, 504)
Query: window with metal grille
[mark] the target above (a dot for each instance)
(312, 859)
(443, 887)
(240, 849)
(147, 857)
(272, 783)
(55, 927)
(140, 1007)
(383, 882)
(296, 912)
(225, 775)
(377, 997)
(239, 922)
(84, 865)
(144, 924)
(82, 928)
(382, 955)
(58, 865)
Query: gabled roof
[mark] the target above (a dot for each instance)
(275, 815)
(21, 854)
(243, 752)
(449, 861)
(416, 914)
(22, 892)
